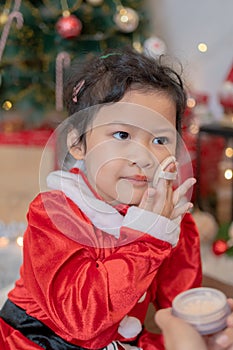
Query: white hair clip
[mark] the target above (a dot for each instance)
(76, 90)
(162, 174)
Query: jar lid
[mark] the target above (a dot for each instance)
(204, 308)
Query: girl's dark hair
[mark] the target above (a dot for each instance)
(108, 77)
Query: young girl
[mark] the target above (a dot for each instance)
(113, 234)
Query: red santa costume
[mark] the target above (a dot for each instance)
(90, 271)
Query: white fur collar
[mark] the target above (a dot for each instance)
(101, 214)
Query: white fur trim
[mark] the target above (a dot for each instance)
(156, 225)
(102, 215)
(129, 327)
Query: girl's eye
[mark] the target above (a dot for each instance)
(121, 135)
(161, 140)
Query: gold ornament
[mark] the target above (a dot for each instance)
(126, 19)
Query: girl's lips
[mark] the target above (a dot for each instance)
(137, 179)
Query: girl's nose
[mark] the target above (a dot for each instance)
(141, 156)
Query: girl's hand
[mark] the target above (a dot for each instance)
(166, 202)
(159, 199)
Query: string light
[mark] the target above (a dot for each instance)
(124, 16)
(229, 152)
(4, 241)
(11, 233)
(194, 129)
(202, 47)
(19, 241)
(137, 46)
(7, 105)
(191, 102)
(228, 174)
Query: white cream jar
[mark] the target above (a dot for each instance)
(204, 308)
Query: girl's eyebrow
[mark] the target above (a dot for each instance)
(120, 123)
(155, 130)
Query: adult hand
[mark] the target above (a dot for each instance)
(224, 339)
(178, 335)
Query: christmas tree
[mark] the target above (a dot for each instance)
(40, 38)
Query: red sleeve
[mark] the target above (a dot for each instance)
(78, 284)
(182, 269)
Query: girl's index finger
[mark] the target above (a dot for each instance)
(183, 189)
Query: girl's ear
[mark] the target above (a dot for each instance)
(76, 149)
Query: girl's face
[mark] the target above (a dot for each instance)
(125, 144)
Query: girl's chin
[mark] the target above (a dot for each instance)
(124, 201)
(126, 196)
(129, 201)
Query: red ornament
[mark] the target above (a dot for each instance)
(69, 27)
(220, 247)
(226, 91)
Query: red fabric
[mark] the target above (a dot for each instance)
(25, 137)
(81, 290)
(211, 153)
(149, 341)
(10, 339)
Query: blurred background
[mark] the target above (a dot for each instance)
(39, 39)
